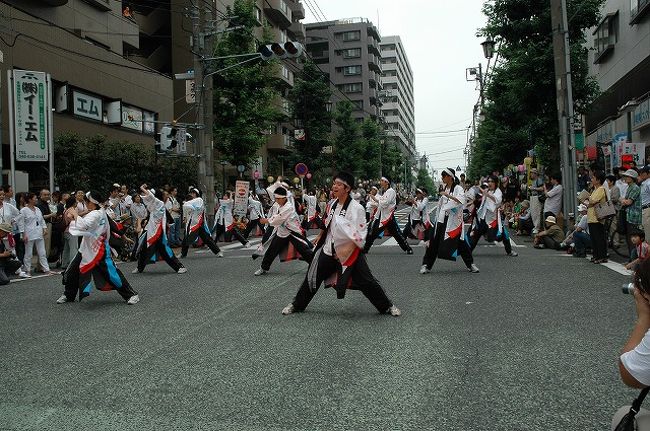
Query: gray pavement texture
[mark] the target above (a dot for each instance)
(530, 343)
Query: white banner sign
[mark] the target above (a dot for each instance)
(190, 92)
(241, 198)
(87, 106)
(132, 117)
(149, 124)
(30, 115)
(181, 138)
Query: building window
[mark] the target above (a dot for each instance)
(349, 36)
(352, 70)
(638, 8)
(356, 87)
(606, 35)
(358, 105)
(352, 53)
(388, 48)
(258, 15)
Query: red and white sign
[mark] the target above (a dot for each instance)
(241, 198)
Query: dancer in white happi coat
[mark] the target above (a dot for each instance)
(197, 227)
(153, 242)
(489, 218)
(415, 227)
(93, 262)
(385, 218)
(225, 222)
(338, 260)
(287, 239)
(255, 213)
(311, 215)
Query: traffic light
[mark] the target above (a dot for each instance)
(166, 139)
(278, 51)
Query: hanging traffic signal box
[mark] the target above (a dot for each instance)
(166, 139)
(277, 51)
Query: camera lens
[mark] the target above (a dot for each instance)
(628, 289)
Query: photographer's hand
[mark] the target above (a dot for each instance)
(640, 328)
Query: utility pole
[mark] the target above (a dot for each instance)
(562, 58)
(203, 90)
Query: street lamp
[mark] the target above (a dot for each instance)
(488, 47)
(328, 106)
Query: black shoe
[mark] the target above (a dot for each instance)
(409, 251)
(340, 292)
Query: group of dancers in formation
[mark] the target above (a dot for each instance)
(337, 257)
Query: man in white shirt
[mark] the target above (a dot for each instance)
(418, 206)
(338, 254)
(644, 177)
(385, 217)
(620, 181)
(553, 203)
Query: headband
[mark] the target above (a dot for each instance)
(343, 181)
(448, 172)
(374, 187)
(91, 199)
(196, 191)
(385, 179)
(275, 195)
(419, 191)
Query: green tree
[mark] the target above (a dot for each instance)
(392, 161)
(245, 99)
(90, 163)
(520, 111)
(425, 180)
(309, 98)
(348, 145)
(371, 142)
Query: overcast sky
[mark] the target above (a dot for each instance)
(439, 37)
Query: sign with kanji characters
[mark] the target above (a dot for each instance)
(623, 153)
(190, 92)
(30, 115)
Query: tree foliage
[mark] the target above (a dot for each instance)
(520, 110)
(309, 98)
(371, 137)
(425, 180)
(245, 100)
(348, 145)
(94, 163)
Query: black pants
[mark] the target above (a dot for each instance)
(250, 226)
(8, 267)
(362, 279)
(20, 246)
(598, 240)
(221, 229)
(431, 253)
(278, 244)
(409, 228)
(160, 249)
(74, 282)
(392, 227)
(550, 243)
(481, 230)
(190, 237)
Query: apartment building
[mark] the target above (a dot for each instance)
(398, 98)
(97, 56)
(280, 17)
(620, 61)
(348, 51)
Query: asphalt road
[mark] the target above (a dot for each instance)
(530, 343)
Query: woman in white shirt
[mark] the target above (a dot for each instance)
(138, 212)
(35, 228)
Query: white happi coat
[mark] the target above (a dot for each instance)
(157, 224)
(224, 214)
(418, 208)
(94, 230)
(284, 219)
(386, 206)
(255, 210)
(195, 212)
(311, 203)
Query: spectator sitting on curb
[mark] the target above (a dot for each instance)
(579, 238)
(551, 237)
(524, 219)
(641, 249)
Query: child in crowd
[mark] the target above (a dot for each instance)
(641, 249)
(523, 220)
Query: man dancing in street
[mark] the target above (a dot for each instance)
(338, 259)
(385, 217)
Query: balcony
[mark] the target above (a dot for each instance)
(285, 75)
(298, 10)
(279, 13)
(373, 63)
(54, 2)
(298, 30)
(279, 142)
(103, 5)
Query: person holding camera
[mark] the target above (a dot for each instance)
(634, 362)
